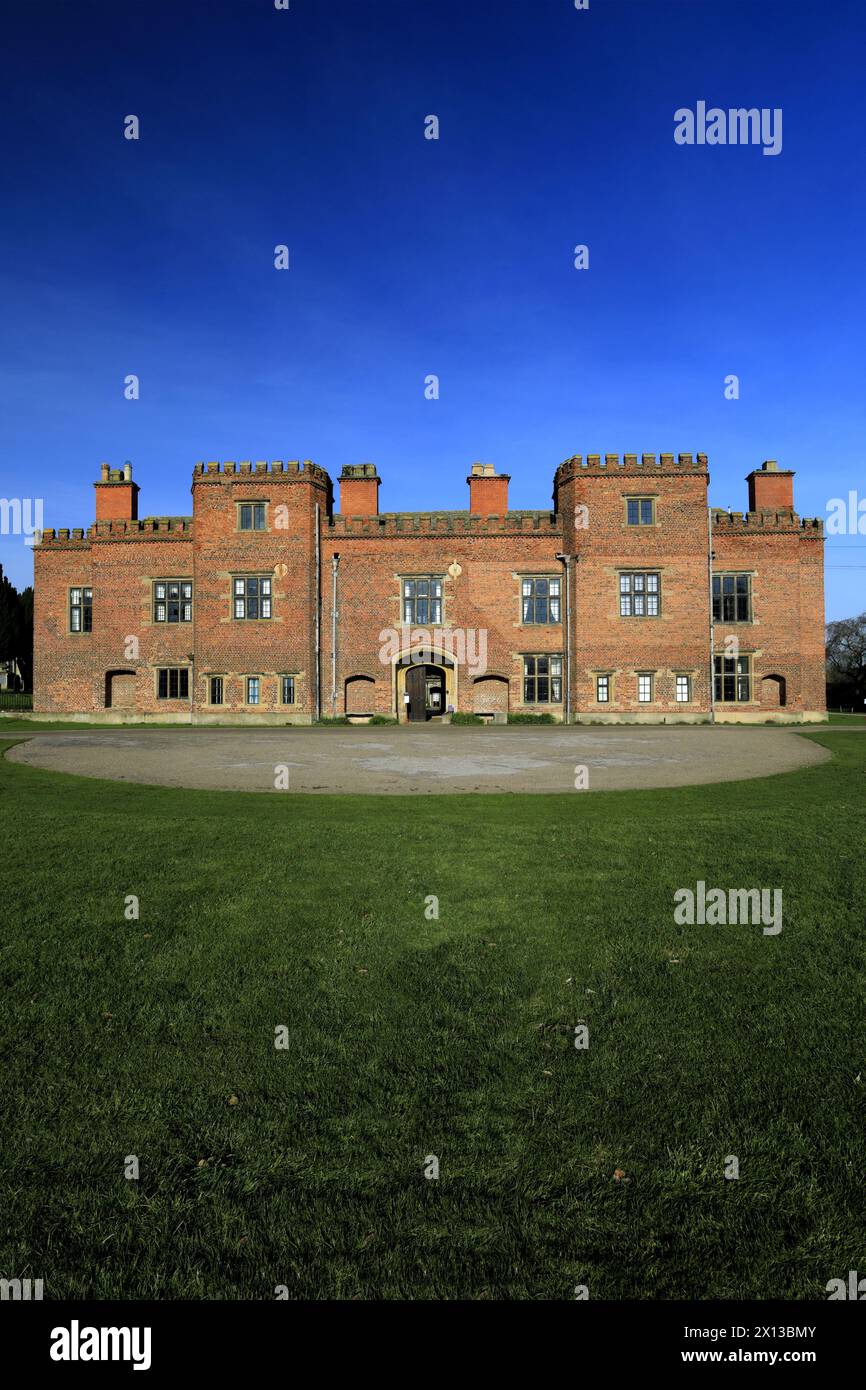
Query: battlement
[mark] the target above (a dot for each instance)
(64, 536)
(765, 521)
(637, 465)
(234, 472)
(118, 528)
(446, 523)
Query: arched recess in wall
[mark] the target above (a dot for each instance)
(360, 694)
(120, 690)
(490, 694)
(774, 692)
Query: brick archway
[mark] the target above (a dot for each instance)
(774, 692)
(490, 694)
(120, 690)
(359, 692)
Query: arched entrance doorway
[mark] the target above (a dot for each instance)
(425, 688)
(425, 685)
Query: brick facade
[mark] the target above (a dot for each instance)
(272, 529)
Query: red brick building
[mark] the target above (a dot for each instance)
(630, 600)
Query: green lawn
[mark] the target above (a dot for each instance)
(410, 1037)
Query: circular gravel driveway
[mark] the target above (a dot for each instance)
(431, 759)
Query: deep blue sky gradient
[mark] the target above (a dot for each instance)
(412, 257)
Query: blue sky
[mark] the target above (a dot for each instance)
(411, 257)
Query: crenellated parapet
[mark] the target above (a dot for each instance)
(63, 537)
(766, 522)
(446, 523)
(119, 528)
(629, 465)
(304, 471)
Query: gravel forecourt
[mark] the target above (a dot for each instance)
(429, 759)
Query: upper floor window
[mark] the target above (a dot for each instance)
(540, 600)
(733, 679)
(422, 600)
(542, 680)
(252, 596)
(732, 598)
(251, 516)
(172, 601)
(639, 595)
(640, 511)
(80, 610)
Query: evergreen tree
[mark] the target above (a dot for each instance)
(16, 627)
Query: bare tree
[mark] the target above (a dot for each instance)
(846, 659)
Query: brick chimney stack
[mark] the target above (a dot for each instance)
(771, 488)
(359, 490)
(488, 490)
(116, 494)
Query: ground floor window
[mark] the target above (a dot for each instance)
(644, 687)
(287, 690)
(542, 680)
(216, 690)
(172, 683)
(683, 689)
(253, 688)
(733, 679)
(602, 689)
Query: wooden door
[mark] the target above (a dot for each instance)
(416, 689)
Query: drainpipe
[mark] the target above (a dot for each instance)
(566, 616)
(318, 665)
(712, 619)
(335, 565)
